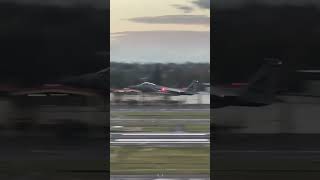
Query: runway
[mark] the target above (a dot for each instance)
(160, 138)
(161, 108)
(133, 120)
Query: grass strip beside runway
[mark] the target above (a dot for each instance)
(160, 160)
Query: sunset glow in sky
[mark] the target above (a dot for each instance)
(160, 30)
(122, 10)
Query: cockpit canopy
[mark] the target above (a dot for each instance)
(148, 84)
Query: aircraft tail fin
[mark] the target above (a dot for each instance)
(194, 87)
(261, 87)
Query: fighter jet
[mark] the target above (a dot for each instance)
(148, 87)
(97, 80)
(259, 91)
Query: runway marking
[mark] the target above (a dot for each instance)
(169, 138)
(162, 134)
(162, 140)
(116, 126)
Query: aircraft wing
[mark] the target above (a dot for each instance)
(170, 91)
(173, 90)
(96, 80)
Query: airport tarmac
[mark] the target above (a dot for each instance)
(160, 132)
(243, 156)
(156, 118)
(151, 124)
(161, 108)
(172, 139)
(133, 120)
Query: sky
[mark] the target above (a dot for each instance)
(153, 31)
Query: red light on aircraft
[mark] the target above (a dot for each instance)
(163, 89)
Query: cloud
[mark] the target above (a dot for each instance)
(185, 9)
(173, 19)
(161, 46)
(205, 4)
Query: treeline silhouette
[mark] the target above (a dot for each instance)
(171, 74)
(42, 43)
(243, 37)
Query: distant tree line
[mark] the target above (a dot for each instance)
(173, 75)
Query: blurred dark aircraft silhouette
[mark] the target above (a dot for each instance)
(148, 87)
(259, 91)
(98, 80)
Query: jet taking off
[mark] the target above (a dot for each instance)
(148, 87)
(97, 80)
(259, 90)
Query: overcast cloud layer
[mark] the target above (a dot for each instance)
(184, 8)
(161, 46)
(203, 3)
(174, 19)
(166, 46)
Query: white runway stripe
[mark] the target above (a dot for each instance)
(162, 134)
(162, 140)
